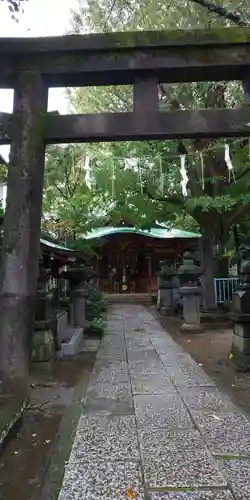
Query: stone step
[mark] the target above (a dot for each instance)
(74, 345)
(130, 298)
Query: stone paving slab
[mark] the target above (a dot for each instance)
(110, 357)
(237, 473)
(193, 495)
(189, 376)
(101, 480)
(139, 343)
(111, 391)
(140, 336)
(206, 398)
(139, 347)
(156, 334)
(112, 352)
(188, 369)
(153, 421)
(143, 368)
(148, 356)
(180, 359)
(154, 384)
(157, 412)
(177, 459)
(225, 433)
(106, 437)
(162, 346)
(114, 373)
(90, 344)
(115, 398)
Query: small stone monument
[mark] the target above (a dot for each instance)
(177, 301)
(165, 287)
(44, 337)
(78, 275)
(188, 273)
(240, 315)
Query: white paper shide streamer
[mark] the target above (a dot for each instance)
(184, 177)
(202, 170)
(88, 172)
(113, 179)
(229, 164)
(161, 178)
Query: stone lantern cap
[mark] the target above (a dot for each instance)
(188, 270)
(78, 274)
(167, 269)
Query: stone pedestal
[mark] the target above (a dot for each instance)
(191, 308)
(78, 301)
(78, 276)
(165, 288)
(188, 273)
(43, 348)
(158, 300)
(44, 334)
(240, 316)
(43, 308)
(176, 294)
(71, 314)
(166, 298)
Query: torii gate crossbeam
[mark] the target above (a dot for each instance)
(143, 60)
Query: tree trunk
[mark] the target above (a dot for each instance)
(207, 260)
(221, 266)
(22, 222)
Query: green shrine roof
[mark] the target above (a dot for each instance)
(156, 232)
(56, 246)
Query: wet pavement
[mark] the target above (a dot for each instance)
(153, 425)
(44, 436)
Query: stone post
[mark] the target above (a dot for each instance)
(19, 264)
(240, 316)
(77, 276)
(44, 336)
(189, 273)
(44, 339)
(165, 291)
(176, 290)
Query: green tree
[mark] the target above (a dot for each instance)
(215, 202)
(67, 201)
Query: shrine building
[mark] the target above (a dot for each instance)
(128, 258)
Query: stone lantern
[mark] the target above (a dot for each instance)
(78, 276)
(44, 340)
(240, 315)
(189, 273)
(165, 287)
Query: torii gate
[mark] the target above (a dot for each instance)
(140, 59)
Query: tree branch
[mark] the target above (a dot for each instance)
(61, 192)
(234, 17)
(241, 174)
(175, 200)
(238, 214)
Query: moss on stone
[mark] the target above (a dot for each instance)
(127, 39)
(210, 36)
(11, 411)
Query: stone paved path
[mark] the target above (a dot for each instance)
(154, 426)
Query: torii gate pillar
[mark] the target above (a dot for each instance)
(18, 280)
